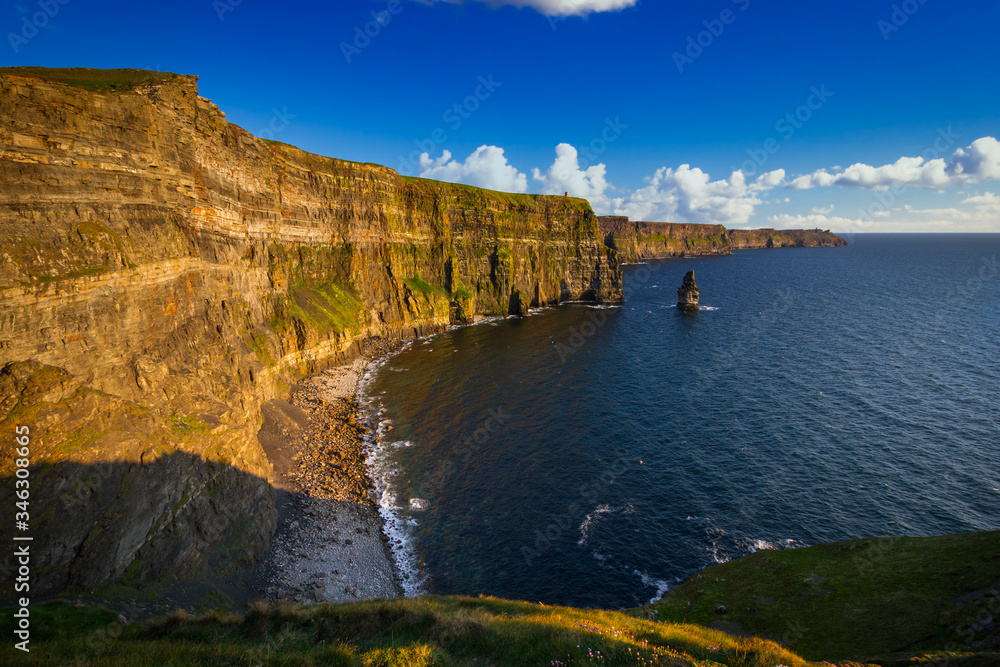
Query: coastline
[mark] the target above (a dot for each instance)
(330, 544)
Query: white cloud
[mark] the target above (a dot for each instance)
(689, 193)
(565, 175)
(485, 168)
(558, 7)
(977, 163)
(986, 199)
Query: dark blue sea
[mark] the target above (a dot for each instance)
(598, 456)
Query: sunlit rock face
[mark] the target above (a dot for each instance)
(687, 295)
(164, 273)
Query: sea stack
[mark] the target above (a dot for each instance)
(687, 295)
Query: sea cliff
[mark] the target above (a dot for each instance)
(636, 241)
(165, 273)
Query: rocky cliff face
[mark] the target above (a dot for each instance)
(164, 273)
(637, 241)
(749, 239)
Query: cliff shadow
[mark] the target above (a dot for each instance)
(140, 525)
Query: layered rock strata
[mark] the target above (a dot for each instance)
(164, 273)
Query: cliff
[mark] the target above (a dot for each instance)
(750, 239)
(164, 273)
(637, 241)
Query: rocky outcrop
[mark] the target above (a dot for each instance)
(688, 294)
(164, 273)
(638, 241)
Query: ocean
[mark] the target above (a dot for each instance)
(597, 456)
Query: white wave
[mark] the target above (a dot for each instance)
(661, 586)
(396, 525)
(588, 522)
(418, 504)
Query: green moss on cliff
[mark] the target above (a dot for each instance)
(328, 307)
(184, 426)
(418, 284)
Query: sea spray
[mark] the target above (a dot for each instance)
(396, 525)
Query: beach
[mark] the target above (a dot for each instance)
(329, 545)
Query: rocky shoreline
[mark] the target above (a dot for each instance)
(330, 545)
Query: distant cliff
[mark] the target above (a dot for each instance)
(636, 241)
(164, 273)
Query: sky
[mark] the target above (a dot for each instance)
(856, 116)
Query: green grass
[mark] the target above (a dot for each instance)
(461, 293)
(329, 307)
(104, 80)
(418, 284)
(182, 426)
(416, 631)
(92, 271)
(880, 599)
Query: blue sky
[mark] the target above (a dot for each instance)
(646, 108)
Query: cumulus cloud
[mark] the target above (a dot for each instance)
(559, 7)
(485, 168)
(565, 175)
(977, 163)
(689, 193)
(986, 199)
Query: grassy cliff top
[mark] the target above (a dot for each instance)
(401, 632)
(897, 602)
(511, 198)
(104, 80)
(883, 600)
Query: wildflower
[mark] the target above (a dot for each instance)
(122, 618)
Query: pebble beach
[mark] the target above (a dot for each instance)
(330, 544)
